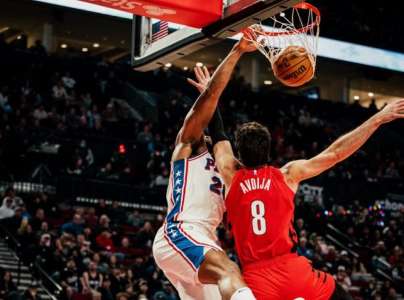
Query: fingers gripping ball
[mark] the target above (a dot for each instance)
(294, 66)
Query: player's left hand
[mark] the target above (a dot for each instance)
(202, 78)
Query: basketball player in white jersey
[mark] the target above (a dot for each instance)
(186, 248)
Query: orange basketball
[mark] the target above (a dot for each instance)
(294, 66)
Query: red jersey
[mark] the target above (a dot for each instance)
(260, 210)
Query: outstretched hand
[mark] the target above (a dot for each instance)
(202, 78)
(392, 111)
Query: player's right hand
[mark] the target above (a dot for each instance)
(391, 112)
(246, 44)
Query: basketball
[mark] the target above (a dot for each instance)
(294, 66)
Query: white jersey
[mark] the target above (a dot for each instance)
(195, 209)
(195, 192)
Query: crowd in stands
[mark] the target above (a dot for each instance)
(103, 252)
(100, 252)
(77, 104)
(361, 22)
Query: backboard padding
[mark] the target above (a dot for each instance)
(185, 41)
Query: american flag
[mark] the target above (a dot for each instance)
(160, 30)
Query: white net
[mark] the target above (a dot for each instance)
(298, 26)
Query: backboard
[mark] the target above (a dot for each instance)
(149, 54)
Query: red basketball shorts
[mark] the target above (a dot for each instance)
(288, 277)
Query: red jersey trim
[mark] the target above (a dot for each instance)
(195, 241)
(172, 187)
(184, 188)
(176, 249)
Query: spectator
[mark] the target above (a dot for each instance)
(40, 113)
(75, 227)
(105, 290)
(6, 209)
(145, 235)
(38, 219)
(391, 171)
(135, 219)
(92, 281)
(342, 278)
(86, 154)
(38, 49)
(398, 273)
(68, 81)
(117, 213)
(8, 289)
(70, 279)
(303, 250)
(32, 292)
(59, 92)
(105, 242)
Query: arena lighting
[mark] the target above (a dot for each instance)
(84, 49)
(96, 45)
(328, 48)
(199, 64)
(370, 94)
(63, 46)
(268, 82)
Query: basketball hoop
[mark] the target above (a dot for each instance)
(298, 26)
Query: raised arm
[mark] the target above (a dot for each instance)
(202, 111)
(342, 148)
(223, 152)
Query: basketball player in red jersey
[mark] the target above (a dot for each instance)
(260, 207)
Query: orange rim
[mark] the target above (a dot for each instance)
(302, 5)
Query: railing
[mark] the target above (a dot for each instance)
(71, 187)
(340, 245)
(351, 243)
(382, 269)
(14, 245)
(53, 289)
(48, 284)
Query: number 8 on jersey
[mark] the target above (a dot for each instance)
(259, 224)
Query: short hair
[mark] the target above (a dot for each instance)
(253, 143)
